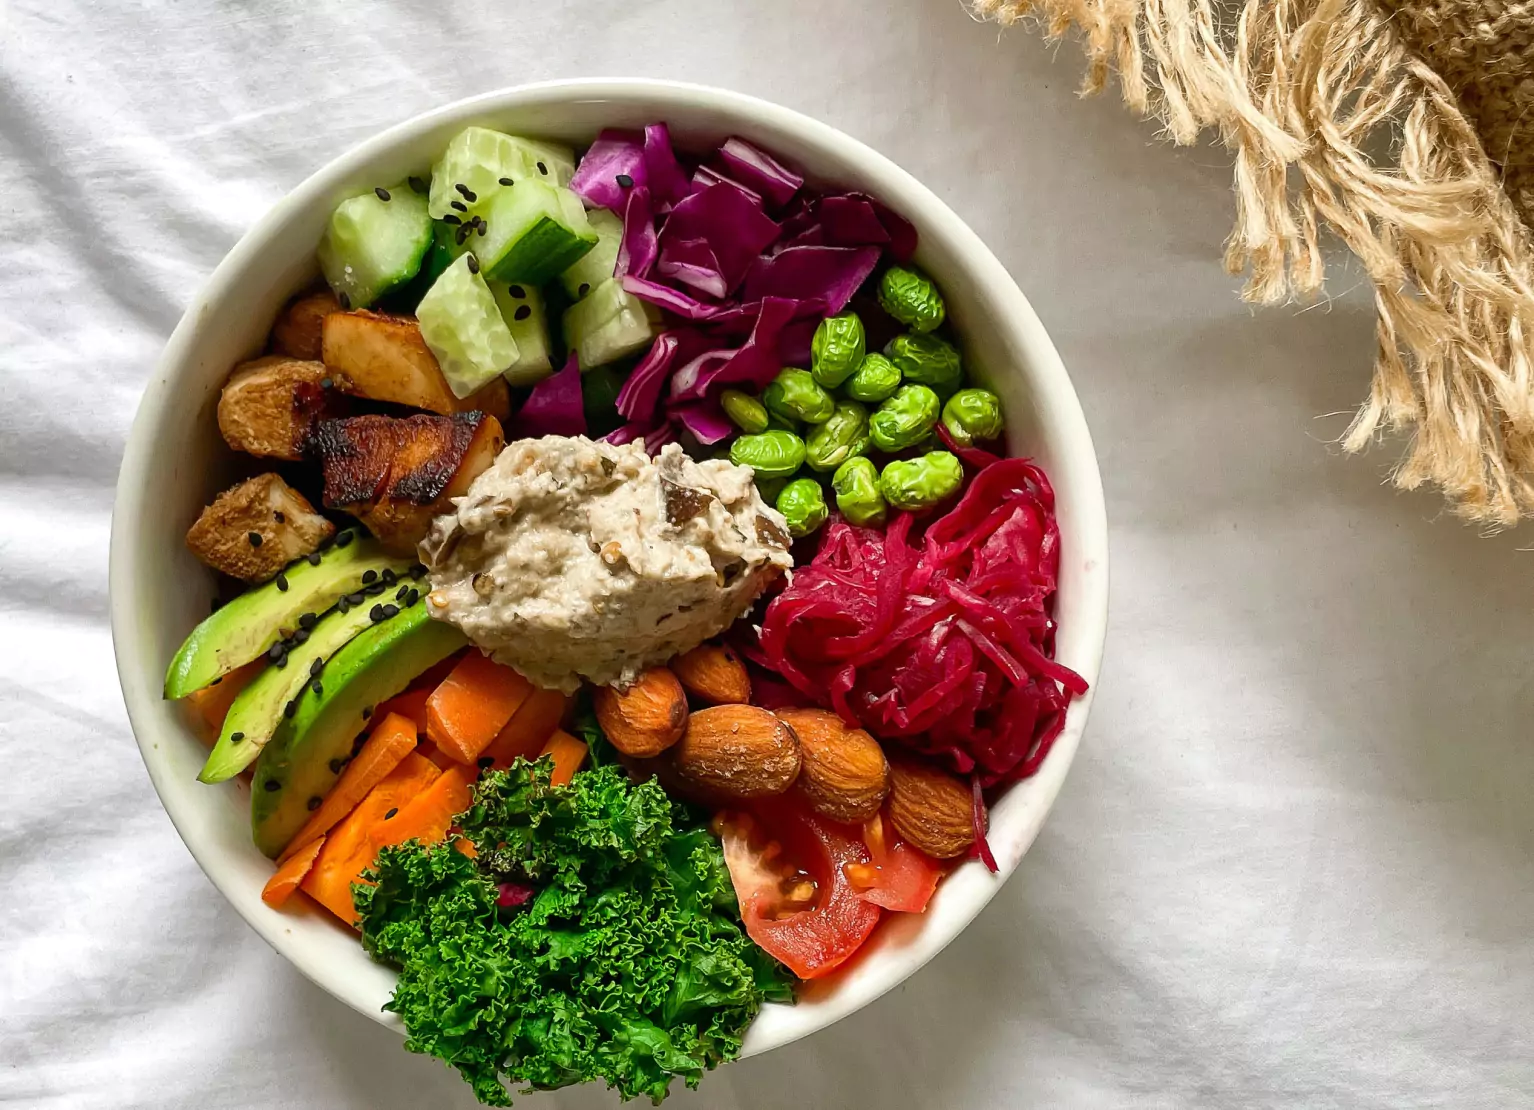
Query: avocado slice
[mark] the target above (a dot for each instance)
(303, 759)
(251, 623)
(263, 705)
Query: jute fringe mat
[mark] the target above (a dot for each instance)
(1307, 94)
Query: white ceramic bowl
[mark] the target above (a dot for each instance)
(176, 462)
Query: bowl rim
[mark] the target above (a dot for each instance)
(1060, 407)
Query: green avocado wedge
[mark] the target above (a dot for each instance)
(259, 708)
(251, 623)
(305, 756)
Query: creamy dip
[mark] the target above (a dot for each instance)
(571, 559)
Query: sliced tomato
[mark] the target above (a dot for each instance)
(788, 869)
(897, 876)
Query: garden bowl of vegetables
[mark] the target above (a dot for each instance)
(626, 553)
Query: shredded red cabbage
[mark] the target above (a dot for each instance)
(943, 645)
(553, 408)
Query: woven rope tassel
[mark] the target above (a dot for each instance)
(1301, 91)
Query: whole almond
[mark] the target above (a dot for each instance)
(842, 771)
(931, 808)
(713, 673)
(738, 751)
(645, 719)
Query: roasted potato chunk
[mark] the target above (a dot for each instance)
(384, 358)
(269, 406)
(299, 329)
(256, 528)
(396, 474)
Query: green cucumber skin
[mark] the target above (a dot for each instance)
(257, 711)
(215, 648)
(542, 254)
(299, 755)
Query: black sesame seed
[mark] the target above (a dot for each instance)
(314, 558)
(314, 804)
(376, 613)
(346, 301)
(522, 312)
(483, 227)
(625, 181)
(368, 712)
(356, 598)
(343, 605)
(344, 538)
(375, 589)
(507, 181)
(280, 517)
(451, 219)
(417, 570)
(412, 597)
(306, 620)
(584, 289)
(281, 663)
(290, 709)
(543, 169)
(236, 737)
(390, 611)
(401, 592)
(465, 192)
(516, 291)
(368, 576)
(391, 813)
(485, 763)
(220, 678)
(458, 205)
(282, 583)
(318, 688)
(336, 765)
(473, 264)
(301, 636)
(362, 738)
(462, 234)
(326, 383)
(383, 194)
(276, 651)
(417, 185)
(254, 538)
(388, 577)
(317, 666)
(271, 784)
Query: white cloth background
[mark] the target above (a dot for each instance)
(1292, 865)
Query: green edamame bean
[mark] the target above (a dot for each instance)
(973, 414)
(874, 380)
(856, 484)
(905, 419)
(838, 439)
(911, 298)
(927, 360)
(795, 394)
(745, 411)
(917, 484)
(772, 454)
(837, 349)
(803, 505)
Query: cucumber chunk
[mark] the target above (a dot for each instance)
(608, 324)
(462, 325)
(536, 230)
(477, 159)
(600, 262)
(553, 162)
(406, 298)
(373, 245)
(523, 310)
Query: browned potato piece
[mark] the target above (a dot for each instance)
(395, 474)
(385, 358)
(297, 332)
(269, 406)
(256, 528)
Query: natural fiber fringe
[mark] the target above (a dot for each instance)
(1297, 89)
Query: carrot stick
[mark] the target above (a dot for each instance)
(568, 752)
(390, 742)
(529, 727)
(427, 817)
(280, 887)
(472, 704)
(412, 704)
(348, 850)
(212, 702)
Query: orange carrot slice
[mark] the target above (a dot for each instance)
(212, 702)
(529, 728)
(280, 887)
(472, 704)
(568, 752)
(412, 704)
(427, 817)
(391, 741)
(348, 850)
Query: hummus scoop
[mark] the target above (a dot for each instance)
(570, 559)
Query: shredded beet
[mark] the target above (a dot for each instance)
(944, 643)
